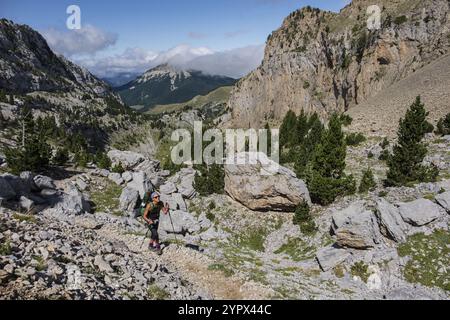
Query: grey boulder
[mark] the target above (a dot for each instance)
(356, 227)
(127, 159)
(116, 178)
(6, 191)
(43, 182)
(128, 199)
(330, 257)
(260, 184)
(444, 200)
(419, 212)
(391, 223)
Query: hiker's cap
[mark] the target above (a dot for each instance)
(154, 195)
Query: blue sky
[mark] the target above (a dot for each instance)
(157, 26)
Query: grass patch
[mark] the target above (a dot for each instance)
(220, 267)
(360, 269)
(40, 265)
(107, 200)
(430, 259)
(429, 196)
(253, 239)
(339, 271)
(297, 249)
(24, 217)
(156, 293)
(5, 248)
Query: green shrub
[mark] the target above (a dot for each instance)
(354, 139)
(102, 161)
(210, 179)
(367, 182)
(346, 119)
(118, 168)
(400, 20)
(61, 157)
(443, 125)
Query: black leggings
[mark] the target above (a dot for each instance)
(154, 230)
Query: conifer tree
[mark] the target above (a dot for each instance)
(367, 182)
(405, 165)
(325, 174)
(287, 129)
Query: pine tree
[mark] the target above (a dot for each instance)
(287, 129)
(443, 126)
(303, 218)
(103, 162)
(325, 174)
(301, 129)
(405, 165)
(367, 182)
(11, 99)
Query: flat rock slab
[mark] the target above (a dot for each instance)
(391, 223)
(330, 257)
(419, 212)
(444, 200)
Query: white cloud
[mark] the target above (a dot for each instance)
(87, 40)
(233, 63)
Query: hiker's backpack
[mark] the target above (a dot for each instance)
(145, 201)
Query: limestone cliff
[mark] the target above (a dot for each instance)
(323, 61)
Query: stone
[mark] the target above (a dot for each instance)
(150, 167)
(391, 223)
(179, 201)
(104, 173)
(374, 282)
(128, 199)
(26, 204)
(116, 178)
(140, 183)
(72, 202)
(127, 159)
(19, 186)
(212, 234)
(6, 191)
(28, 178)
(443, 200)
(419, 212)
(263, 185)
(182, 222)
(356, 227)
(102, 265)
(168, 188)
(43, 182)
(82, 186)
(330, 257)
(127, 176)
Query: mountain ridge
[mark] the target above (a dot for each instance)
(166, 84)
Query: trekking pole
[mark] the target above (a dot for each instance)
(171, 222)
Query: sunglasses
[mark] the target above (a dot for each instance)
(156, 197)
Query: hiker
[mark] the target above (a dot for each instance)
(151, 216)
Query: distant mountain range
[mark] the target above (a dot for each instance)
(166, 84)
(120, 79)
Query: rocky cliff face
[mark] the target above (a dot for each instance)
(28, 64)
(323, 62)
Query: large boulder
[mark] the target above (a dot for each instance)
(43, 182)
(150, 167)
(184, 182)
(140, 183)
(128, 199)
(183, 222)
(28, 178)
(168, 188)
(127, 159)
(356, 227)
(391, 223)
(17, 184)
(444, 200)
(420, 212)
(6, 191)
(328, 258)
(116, 178)
(72, 202)
(261, 184)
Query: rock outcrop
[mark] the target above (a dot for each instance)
(262, 185)
(323, 62)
